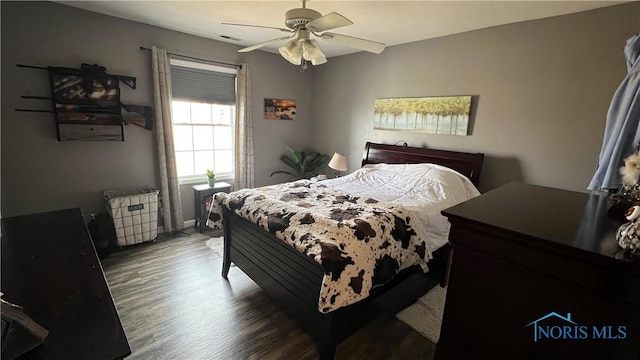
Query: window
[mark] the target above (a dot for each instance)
(203, 119)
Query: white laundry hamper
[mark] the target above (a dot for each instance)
(135, 214)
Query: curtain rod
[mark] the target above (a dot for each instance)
(195, 58)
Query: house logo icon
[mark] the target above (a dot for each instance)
(549, 315)
(554, 326)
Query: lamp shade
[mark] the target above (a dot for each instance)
(311, 52)
(338, 162)
(292, 52)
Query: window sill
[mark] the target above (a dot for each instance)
(203, 180)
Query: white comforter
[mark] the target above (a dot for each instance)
(424, 189)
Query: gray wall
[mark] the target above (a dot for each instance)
(39, 173)
(541, 92)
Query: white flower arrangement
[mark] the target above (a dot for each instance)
(631, 170)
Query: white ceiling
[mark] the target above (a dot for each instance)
(389, 22)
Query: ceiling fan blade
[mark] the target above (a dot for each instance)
(362, 44)
(257, 46)
(330, 21)
(259, 26)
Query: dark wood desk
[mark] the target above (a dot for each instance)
(49, 266)
(525, 258)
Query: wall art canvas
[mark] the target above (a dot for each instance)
(432, 115)
(279, 109)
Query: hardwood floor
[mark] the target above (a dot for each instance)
(174, 304)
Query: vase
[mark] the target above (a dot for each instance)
(211, 181)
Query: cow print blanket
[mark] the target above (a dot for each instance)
(360, 242)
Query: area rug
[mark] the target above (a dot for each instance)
(216, 244)
(425, 316)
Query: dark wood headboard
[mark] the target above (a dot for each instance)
(468, 164)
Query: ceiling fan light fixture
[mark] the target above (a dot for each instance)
(292, 52)
(301, 23)
(319, 60)
(311, 52)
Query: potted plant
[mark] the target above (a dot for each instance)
(303, 164)
(211, 177)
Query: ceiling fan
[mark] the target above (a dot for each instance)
(301, 23)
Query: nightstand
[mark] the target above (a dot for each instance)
(202, 194)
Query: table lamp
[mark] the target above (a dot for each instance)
(338, 162)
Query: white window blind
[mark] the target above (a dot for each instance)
(203, 83)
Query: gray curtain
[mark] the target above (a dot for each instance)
(244, 172)
(622, 131)
(171, 210)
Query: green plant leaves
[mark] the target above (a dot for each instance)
(303, 164)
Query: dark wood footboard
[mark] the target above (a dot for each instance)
(293, 280)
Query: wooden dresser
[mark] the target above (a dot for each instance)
(50, 267)
(536, 273)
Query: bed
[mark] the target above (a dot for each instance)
(299, 279)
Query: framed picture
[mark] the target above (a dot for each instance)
(432, 115)
(279, 109)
